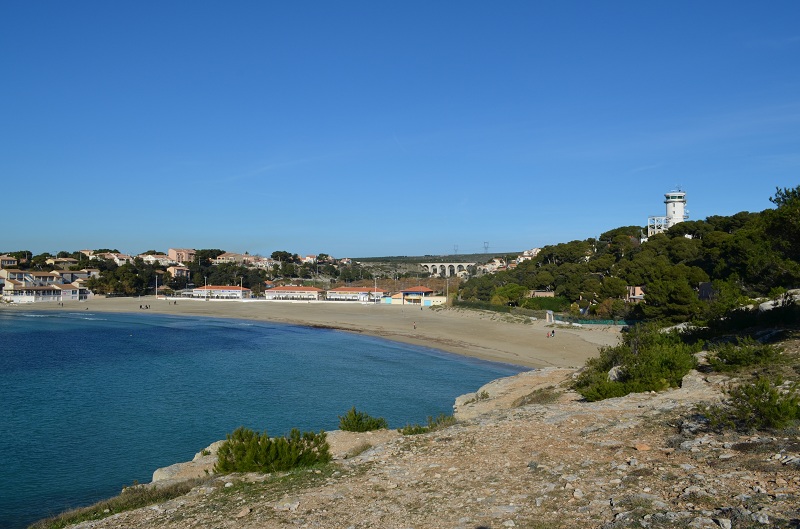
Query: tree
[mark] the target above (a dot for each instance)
(783, 223)
(509, 294)
(785, 196)
(283, 256)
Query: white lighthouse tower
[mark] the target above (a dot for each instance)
(676, 212)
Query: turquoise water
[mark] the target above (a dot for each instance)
(90, 403)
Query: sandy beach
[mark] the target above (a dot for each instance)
(478, 334)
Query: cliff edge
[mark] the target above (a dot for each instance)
(526, 452)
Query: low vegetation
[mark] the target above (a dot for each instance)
(131, 498)
(646, 360)
(357, 421)
(763, 404)
(745, 352)
(247, 451)
(483, 395)
(434, 423)
(540, 396)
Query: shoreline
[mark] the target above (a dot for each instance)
(478, 334)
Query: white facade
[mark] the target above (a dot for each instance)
(222, 292)
(26, 286)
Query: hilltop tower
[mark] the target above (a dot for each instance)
(676, 212)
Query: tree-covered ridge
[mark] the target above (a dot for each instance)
(742, 256)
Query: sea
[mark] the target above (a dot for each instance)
(91, 403)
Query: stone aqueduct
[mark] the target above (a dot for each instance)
(446, 269)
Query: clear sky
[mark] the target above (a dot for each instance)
(386, 128)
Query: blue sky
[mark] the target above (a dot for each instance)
(376, 128)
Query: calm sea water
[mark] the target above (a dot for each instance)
(90, 403)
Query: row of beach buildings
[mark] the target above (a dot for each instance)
(418, 295)
(31, 286)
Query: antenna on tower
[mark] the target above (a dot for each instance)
(486, 247)
(455, 249)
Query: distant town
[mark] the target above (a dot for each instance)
(190, 273)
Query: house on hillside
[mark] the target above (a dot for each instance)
(181, 255)
(178, 271)
(62, 263)
(156, 259)
(6, 261)
(634, 294)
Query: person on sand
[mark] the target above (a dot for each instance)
(415, 326)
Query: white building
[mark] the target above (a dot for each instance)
(676, 212)
(222, 292)
(291, 292)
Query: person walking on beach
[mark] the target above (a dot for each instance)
(415, 326)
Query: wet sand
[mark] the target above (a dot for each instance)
(477, 334)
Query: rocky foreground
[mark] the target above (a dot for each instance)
(517, 458)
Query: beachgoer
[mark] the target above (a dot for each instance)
(415, 325)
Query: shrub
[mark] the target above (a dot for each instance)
(357, 421)
(647, 360)
(247, 451)
(746, 352)
(758, 405)
(442, 421)
(540, 396)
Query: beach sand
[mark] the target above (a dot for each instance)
(479, 334)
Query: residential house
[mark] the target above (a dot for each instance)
(265, 263)
(527, 255)
(119, 258)
(178, 271)
(634, 294)
(181, 255)
(62, 263)
(156, 259)
(6, 261)
(230, 257)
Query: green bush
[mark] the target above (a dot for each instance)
(442, 421)
(746, 352)
(357, 421)
(758, 405)
(247, 451)
(647, 360)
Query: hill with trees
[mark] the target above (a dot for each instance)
(742, 256)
